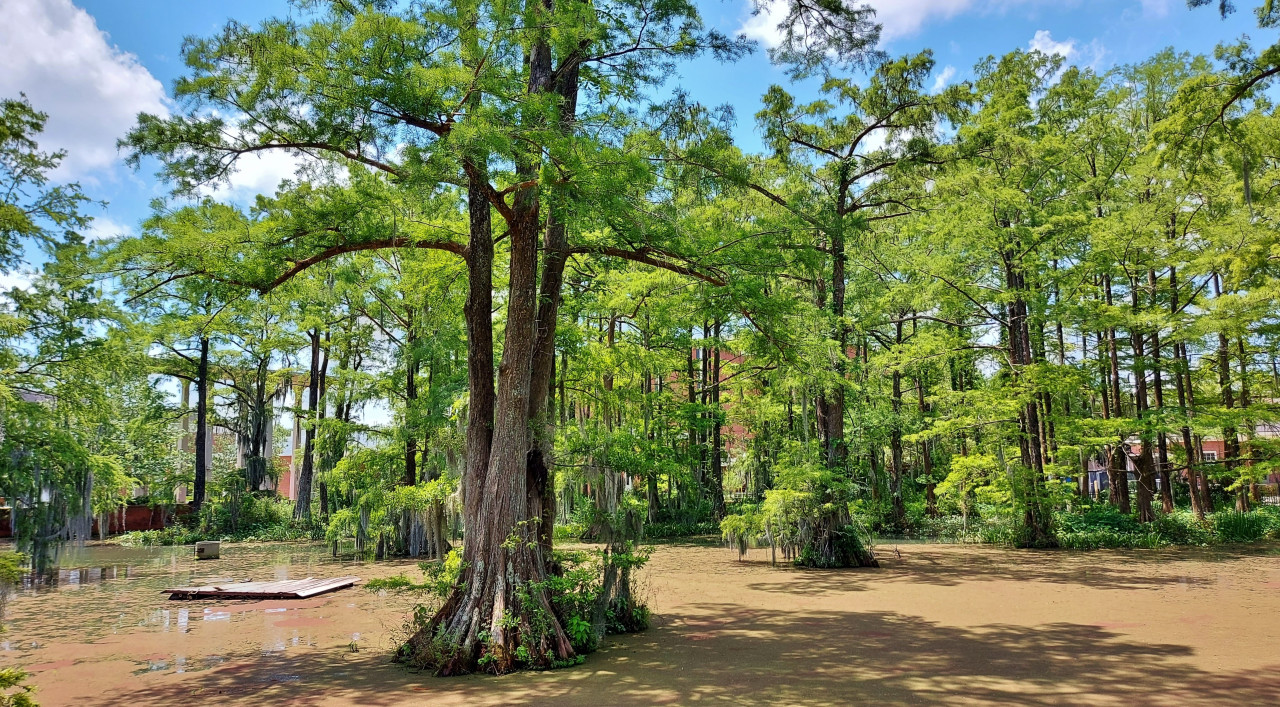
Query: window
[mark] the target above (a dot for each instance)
(1210, 455)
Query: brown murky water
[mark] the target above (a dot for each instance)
(938, 625)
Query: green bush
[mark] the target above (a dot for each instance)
(14, 692)
(439, 578)
(1103, 526)
(680, 529)
(1237, 527)
(258, 519)
(571, 532)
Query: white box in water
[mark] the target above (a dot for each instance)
(208, 549)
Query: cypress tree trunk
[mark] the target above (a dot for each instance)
(542, 500)
(500, 610)
(1037, 530)
(410, 397)
(202, 425)
(302, 509)
(1231, 440)
(898, 507)
(717, 462)
(1182, 383)
(1162, 442)
(1145, 462)
(1119, 468)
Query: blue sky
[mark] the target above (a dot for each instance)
(93, 64)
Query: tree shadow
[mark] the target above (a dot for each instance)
(749, 656)
(955, 565)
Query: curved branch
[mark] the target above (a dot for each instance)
(641, 256)
(335, 251)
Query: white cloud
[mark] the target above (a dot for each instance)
(259, 173)
(763, 26)
(1044, 42)
(948, 73)
(1091, 55)
(903, 18)
(92, 91)
(103, 227)
(20, 279)
(898, 18)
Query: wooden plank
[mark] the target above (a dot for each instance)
(280, 589)
(327, 586)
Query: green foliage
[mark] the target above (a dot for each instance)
(1237, 527)
(439, 578)
(664, 530)
(14, 692)
(258, 519)
(1095, 526)
(919, 311)
(31, 209)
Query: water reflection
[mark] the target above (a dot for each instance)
(61, 577)
(106, 603)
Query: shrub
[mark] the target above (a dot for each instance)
(265, 519)
(11, 678)
(438, 578)
(680, 529)
(1237, 527)
(572, 532)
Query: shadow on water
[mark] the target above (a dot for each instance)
(713, 643)
(759, 658)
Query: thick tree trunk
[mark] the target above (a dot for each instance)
(717, 461)
(926, 458)
(302, 509)
(500, 610)
(1037, 530)
(410, 399)
(898, 508)
(1145, 461)
(541, 482)
(202, 425)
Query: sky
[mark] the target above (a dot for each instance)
(93, 65)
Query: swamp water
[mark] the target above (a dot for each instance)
(103, 613)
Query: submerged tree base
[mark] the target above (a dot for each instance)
(540, 625)
(831, 546)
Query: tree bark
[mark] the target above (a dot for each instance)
(410, 399)
(541, 482)
(717, 462)
(1162, 442)
(202, 425)
(1230, 437)
(1146, 461)
(1037, 519)
(1119, 467)
(898, 507)
(500, 609)
(302, 509)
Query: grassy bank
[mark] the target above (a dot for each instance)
(1102, 526)
(255, 520)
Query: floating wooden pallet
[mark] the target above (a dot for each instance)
(284, 589)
